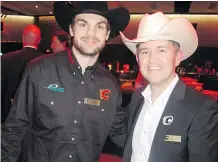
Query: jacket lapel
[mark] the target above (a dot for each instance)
(132, 122)
(172, 107)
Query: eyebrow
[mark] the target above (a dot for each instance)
(79, 19)
(145, 48)
(101, 22)
(162, 46)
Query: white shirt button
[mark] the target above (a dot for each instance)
(78, 67)
(52, 102)
(79, 102)
(75, 121)
(92, 76)
(70, 156)
(74, 73)
(82, 82)
(73, 139)
(102, 109)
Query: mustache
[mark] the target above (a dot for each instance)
(90, 38)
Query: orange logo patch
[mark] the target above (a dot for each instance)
(104, 94)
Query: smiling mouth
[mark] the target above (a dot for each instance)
(91, 42)
(154, 68)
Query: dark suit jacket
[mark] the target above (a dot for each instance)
(195, 119)
(13, 65)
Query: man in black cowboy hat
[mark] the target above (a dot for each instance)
(69, 102)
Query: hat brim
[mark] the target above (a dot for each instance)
(179, 30)
(118, 18)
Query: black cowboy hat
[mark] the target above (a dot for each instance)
(118, 18)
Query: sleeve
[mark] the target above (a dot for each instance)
(3, 79)
(203, 134)
(4, 100)
(118, 132)
(19, 119)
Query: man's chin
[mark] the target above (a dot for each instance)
(89, 54)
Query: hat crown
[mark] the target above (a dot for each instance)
(100, 6)
(151, 24)
(118, 18)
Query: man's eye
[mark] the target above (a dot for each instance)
(100, 27)
(82, 25)
(161, 50)
(144, 52)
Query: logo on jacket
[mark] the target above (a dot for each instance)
(54, 88)
(104, 94)
(167, 120)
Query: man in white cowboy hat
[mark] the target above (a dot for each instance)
(168, 121)
(69, 102)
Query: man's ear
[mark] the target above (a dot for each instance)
(39, 40)
(108, 34)
(179, 56)
(137, 58)
(71, 30)
(137, 54)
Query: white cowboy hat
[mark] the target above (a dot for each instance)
(158, 27)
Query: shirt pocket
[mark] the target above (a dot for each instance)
(52, 109)
(99, 121)
(100, 114)
(174, 146)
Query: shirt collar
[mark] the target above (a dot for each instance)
(74, 62)
(30, 47)
(165, 95)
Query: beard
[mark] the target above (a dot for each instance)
(85, 50)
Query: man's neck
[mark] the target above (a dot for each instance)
(84, 61)
(159, 88)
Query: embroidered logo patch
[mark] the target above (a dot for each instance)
(54, 88)
(104, 94)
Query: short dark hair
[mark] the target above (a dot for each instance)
(61, 37)
(175, 44)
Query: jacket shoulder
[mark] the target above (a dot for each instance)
(196, 97)
(10, 55)
(46, 60)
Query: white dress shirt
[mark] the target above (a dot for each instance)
(148, 121)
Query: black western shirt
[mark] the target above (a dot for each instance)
(69, 114)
